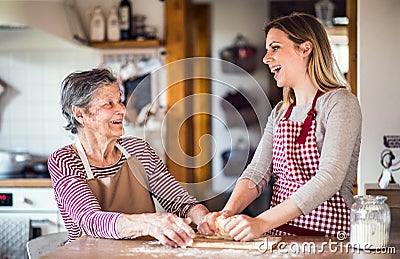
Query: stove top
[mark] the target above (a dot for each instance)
(27, 173)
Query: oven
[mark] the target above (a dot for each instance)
(26, 213)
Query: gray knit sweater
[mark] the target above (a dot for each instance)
(338, 134)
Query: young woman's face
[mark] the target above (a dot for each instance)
(283, 58)
(105, 113)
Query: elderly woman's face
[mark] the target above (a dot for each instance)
(106, 113)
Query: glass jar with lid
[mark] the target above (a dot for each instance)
(369, 222)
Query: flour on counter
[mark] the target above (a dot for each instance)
(154, 249)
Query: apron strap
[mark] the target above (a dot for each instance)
(85, 161)
(288, 112)
(301, 139)
(123, 150)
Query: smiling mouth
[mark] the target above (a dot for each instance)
(116, 122)
(275, 69)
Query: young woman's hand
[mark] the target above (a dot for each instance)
(168, 228)
(245, 228)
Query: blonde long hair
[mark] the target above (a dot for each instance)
(322, 68)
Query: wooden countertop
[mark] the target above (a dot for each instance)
(375, 186)
(26, 182)
(289, 247)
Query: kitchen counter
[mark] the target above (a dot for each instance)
(306, 247)
(26, 182)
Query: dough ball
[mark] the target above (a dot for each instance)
(220, 222)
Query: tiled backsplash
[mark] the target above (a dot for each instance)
(30, 114)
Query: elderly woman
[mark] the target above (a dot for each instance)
(104, 183)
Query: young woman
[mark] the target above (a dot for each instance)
(311, 142)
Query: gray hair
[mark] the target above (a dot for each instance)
(78, 89)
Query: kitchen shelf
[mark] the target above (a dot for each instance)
(25, 182)
(126, 44)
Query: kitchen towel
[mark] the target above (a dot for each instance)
(14, 233)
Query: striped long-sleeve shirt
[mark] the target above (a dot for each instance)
(80, 209)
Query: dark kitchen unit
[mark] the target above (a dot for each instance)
(27, 205)
(26, 213)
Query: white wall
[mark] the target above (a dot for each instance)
(30, 114)
(378, 86)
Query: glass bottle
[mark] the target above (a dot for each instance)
(125, 19)
(369, 222)
(113, 31)
(97, 25)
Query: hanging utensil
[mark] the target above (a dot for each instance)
(3, 87)
(241, 53)
(386, 177)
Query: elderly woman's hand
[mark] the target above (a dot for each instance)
(168, 228)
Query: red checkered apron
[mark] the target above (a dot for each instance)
(295, 161)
